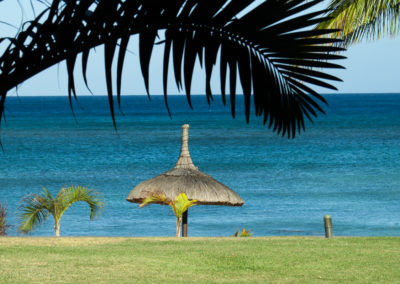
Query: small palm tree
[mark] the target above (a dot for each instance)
(37, 207)
(180, 205)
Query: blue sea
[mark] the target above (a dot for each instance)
(346, 164)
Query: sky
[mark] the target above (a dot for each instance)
(371, 67)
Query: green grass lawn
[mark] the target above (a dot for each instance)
(160, 260)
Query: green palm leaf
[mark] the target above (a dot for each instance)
(181, 204)
(70, 195)
(155, 198)
(363, 19)
(261, 43)
(35, 210)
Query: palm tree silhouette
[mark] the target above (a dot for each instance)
(270, 48)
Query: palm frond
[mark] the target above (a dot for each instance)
(47, 195)
(181, 204)
(155, 198)
(363, 20)
(35, 210)
(70, 195)
(262, 44)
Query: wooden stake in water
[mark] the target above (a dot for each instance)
(328, 226)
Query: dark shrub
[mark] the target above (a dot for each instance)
(3, 223)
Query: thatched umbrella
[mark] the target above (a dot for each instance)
(186, 178)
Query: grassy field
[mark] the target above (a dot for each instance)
(204, 260)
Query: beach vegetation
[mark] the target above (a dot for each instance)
(37, 207)
(269, 48)
(243, 233)
(180, 205)
(362, 20)
(3, 222)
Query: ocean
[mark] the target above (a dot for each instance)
(346, 164)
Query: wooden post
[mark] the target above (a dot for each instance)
(328, 226)
(184, 223)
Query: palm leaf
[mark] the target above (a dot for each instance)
(262, 44)
(181, 204)
(70, 195)
(363, 19)
(35, 210)
(155, 198)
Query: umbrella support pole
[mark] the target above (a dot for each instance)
(184, 223)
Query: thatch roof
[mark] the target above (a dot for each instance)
(186, 178)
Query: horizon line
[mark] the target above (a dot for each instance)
(175, 95)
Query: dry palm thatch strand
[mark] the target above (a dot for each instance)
(272, 47)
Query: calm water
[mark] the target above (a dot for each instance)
(347, 164)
